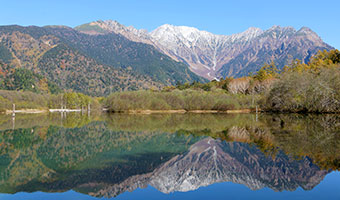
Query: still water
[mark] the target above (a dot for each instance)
(169, 156)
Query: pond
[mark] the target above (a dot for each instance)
(169, 156)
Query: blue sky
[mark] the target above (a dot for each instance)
(216, 16)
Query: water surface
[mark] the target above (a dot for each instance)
(169, 156)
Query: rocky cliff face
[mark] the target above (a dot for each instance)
(213, 56)
(212, 161)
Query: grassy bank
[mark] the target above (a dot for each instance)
(188, 100)
(25, 100)
(22, 100)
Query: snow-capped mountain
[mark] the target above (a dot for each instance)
(212, 161)
(203, 51)
(212, 56)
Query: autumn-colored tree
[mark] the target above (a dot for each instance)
(239, 85)
(224, 82)
(296, 66)
(323, 59)
(268, 71)
(43, 85)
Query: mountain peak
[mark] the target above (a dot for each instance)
(111, 22)
(165, 26)
(109, 25)
(168, 28)
(282, 28)
(309, 34)
(275, 27)
(251, 32)
(306, 30)
(253, 29)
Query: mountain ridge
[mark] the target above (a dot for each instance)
(214, 56)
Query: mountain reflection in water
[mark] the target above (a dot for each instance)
(107, 155)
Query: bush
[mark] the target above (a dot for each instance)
(30, 100)
(188, 99)
(305, 92)
(22, 100)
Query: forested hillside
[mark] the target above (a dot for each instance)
(95, 65)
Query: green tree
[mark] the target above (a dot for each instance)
(23, 79)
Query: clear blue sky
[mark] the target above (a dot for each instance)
(216, 16)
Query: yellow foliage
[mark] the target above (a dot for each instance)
(43, 85)
(324, 59)
(268, 71)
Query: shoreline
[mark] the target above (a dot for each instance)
(27, 111)
(38, 111)
(182, 111)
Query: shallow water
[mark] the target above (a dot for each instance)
(170, 156)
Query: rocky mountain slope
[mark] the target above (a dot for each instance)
(212, 56)
(92, 64)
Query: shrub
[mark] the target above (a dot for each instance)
(188, 99)
(305, 92)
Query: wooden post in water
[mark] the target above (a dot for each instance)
(61, 110)
(88, 110)
(256, 113)
(64, 113)
(13, 110)
(13, 117)
(252, 99)
(61, 104)
(13, 122)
